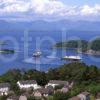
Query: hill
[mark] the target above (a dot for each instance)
(50, 25)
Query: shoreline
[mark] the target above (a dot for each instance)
(88, 52)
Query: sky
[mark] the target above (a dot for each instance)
(28, 10)
(81, 2)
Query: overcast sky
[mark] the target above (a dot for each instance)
(50, 9)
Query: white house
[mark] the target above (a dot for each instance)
(54, 83)
(28, 84)
(4, 88)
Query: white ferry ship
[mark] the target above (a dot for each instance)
(74, 58)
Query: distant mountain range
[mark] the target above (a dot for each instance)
(55, 25)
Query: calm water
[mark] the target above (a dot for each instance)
(23, 61)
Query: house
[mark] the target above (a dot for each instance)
(13, 98)
(27, 94)
(4, 88)
(74, 98)
(28, 84)
(44, 92)
(81, 96)
(54, 83)
(65, 89)
(22, 98)
(98, 96)
(84, 96)
(71, 85)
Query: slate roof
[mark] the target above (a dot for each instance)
(26, 94)
(65, 89)
(74, 98)
(3, 85)
(45, 90)
(50, 87)
(85, 93)
(13, 98)
(98, 95)
(58, 82)
(28, 82)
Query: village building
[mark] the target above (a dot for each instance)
(74, 98)
(13, 98)
(28, 84)
(65, 89)
(54, 83)
(84, 96)
(44, 92)
(22, 98)
(4, 88)
(98, 96)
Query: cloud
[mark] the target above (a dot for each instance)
(87, 10)
(45, 9)
(13, 6)
(35, 6)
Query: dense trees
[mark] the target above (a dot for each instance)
(31, 98)
(86, 78)
(3, 98)
(73, 44)
(75, 71)
(80, 44)
(60, 96)
(40, 77)
(95, 45)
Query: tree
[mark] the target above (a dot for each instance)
(59, 87)
(53, 74)
(31, 98)
(40, 77)
(60, 96)
(3, 97)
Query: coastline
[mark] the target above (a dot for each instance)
(7, 51)
(91, 52)
(88, 52)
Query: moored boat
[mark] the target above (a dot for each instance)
(73, 58)
(37, 54)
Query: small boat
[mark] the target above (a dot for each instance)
(37, 54)
(73, 58)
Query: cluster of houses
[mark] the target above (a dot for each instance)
(39, 91)
(81, 96)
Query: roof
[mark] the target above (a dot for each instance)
(74, 98)
(22, 98)
(3, 85)
(45, 90)
(65, 89)
(26, 94)
(66, 86)
(58, 82)
(50, 87)
(13, 98)
(98, 95)
(28, 82)
(85, 93)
